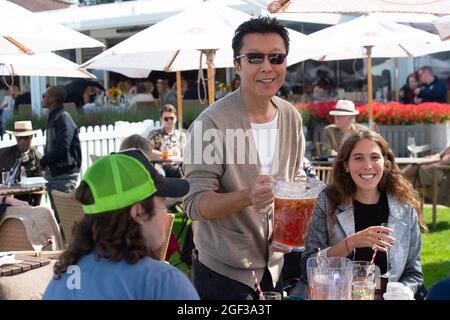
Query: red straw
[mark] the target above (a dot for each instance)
(257, 287)
(373, 257)
(318, 257)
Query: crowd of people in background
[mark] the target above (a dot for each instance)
(423, 86)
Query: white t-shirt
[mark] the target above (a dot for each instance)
(265, 135)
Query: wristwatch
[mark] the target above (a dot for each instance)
(4, 200)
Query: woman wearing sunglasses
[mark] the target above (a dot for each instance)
(168, 139)
(231, 197)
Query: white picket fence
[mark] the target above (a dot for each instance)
(98, 140)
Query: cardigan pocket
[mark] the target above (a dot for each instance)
(235, 249)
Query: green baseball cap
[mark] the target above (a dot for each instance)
(125, 178)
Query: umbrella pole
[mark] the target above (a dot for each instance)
(369, 86)
(179, 100)
(211, 91)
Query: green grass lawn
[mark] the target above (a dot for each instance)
(435, 247)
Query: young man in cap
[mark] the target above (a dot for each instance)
(115, 246)
(22, 154)
(344, 125)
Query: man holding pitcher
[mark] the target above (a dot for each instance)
(234, 149)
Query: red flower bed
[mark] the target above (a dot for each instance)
(390, 113)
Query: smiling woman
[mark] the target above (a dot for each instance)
(368, 189)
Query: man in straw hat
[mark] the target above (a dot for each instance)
(344, 125)
(22, 154)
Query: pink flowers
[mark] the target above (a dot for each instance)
(390, 113)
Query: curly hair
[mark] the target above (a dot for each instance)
(114, 234)
(342, 187)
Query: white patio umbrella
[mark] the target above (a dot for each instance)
(22, 31)
(442, 25)
(378, 38)
(360, 6)
(41, 64)
(178, 42)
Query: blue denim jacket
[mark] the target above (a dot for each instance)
(404, 257)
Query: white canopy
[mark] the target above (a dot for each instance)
(41, 64)
(22, 31)
(176, 43)
(443, 27)
(364, 6)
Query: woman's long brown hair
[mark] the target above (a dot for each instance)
(115, 235)
(343, 188)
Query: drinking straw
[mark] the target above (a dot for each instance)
(257, 287)
(373, 256)
(318, 257)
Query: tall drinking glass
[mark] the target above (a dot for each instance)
(411, 144)
(294, 206)
(5, 178)
(388, 263)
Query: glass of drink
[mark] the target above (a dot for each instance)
(294, 203)
(363, 290)
(411, 144)
(5, 178)
(165, 154)
(388, 264)
(272, 295)
(363, 271)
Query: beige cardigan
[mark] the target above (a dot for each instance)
(235, 245)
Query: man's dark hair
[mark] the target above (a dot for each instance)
(59, 93)
(141, 87)
(259, 25)
(427, 69)
(167, 108)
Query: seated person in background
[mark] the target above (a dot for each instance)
(432, 89)
(141, 96)
(165, 94)
(420, 175)
(117, 244)
(24, 98)
(236, 83)
(136, 141)
(320, 94)
(368, 189)
(335, 134)
(168, 138)
(192, 93)
(76, 89)
(406, 92)
(22, 154)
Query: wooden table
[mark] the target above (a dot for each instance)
(405, 161)
(18, 189)
(26, 280)
(175, 160)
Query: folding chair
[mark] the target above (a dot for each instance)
(324, 174)
(69, 211)
(13, 235)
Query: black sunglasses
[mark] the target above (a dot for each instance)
(258, 58)
(169, 118)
